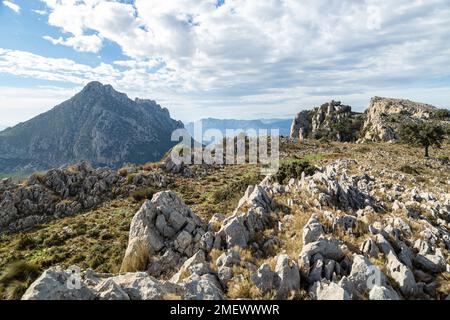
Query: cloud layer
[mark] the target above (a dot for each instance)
(11, 5)
(279, 55)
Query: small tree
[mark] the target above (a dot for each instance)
(425, 134)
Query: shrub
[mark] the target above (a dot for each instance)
(123, 172)
(235, 188)
(425, 134)
(143, 194)
(442, 114)
(409, 170)
(17, 277)
(40, 176)
(293, 169)
(26, 242)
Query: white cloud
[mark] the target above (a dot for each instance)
(249, 57)
(40, 12)
(11, 5)
(89, 43)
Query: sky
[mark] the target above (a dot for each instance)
(242, 59)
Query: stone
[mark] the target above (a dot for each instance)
(327, 248)
(109, 290)
(169, 231)
(205, 287)
(183, 240)
(313, 230)
(288, 274)
(58, 284)
(325, 290)
(229, 259)
(363, 277)
(225, 274)
(402, 275)
(264, 278)
(236, 233)
(382, 293)
(434, 263)
(369, 248)
(196, 259)
(141, 286)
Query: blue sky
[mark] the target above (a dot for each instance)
(225, 59)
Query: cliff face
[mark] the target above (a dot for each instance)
(98, 124)
(332, 120)
(384, 116)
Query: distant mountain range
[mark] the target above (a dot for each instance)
(98, 124)
(283, 125)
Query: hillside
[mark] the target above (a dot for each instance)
(98, 124)
(378, 206)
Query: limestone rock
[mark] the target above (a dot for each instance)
(149, 228)
(324, 290)
(288, 274)
(58, 284)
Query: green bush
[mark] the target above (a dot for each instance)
(409, 170)
(27, 242)
(235, 188)
(143, 194)
(424, 134)
(442, 114)
(293, 169)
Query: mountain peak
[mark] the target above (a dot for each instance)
(95, 88)
(99, 124)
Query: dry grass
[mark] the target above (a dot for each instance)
(138, 259)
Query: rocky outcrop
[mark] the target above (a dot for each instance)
(341, 232)
(58, 284)
(167, 231)
(63, 192)
(99, 125)
(333, 187)
(332, 120)
(250, 217)
(385, 115)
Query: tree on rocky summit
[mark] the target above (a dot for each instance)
(425, 134)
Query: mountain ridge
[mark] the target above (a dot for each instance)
(98, 124)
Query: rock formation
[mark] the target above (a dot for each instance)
(63, 192)
(384, 116)
(99, 125)
(332, 120)
(178, 245)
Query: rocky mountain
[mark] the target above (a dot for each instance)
(359, 235)
(378, 123)
(331, 120)
(283, 125)
(98, 124)
(385, 115)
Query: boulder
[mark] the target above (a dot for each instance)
(141, 286)
(205, 287)
(168, 230)
(58, 284)
(382, 293)
(288, 276)
(434, 263)
(109, 290)
(325, 290)
(264, 279)
(328, 248)
(313, 230)
(402, 275)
